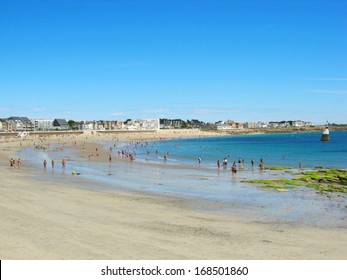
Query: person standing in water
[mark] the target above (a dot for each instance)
(225, 163)
(234, 168)
(261, 164)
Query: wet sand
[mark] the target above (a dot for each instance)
(55, 220)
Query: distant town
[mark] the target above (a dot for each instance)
(17, 124)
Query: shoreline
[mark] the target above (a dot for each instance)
(58, 221)
(177, 133)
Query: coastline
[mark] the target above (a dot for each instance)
(179, 133)
(57, 221)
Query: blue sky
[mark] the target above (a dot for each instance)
(246, 60)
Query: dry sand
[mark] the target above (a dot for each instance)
(56, 221)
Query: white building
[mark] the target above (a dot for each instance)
(86, 125)
(256, 125)
(301, 123)
(131, 127)
(43, 125)
(143, 124)
(279, 124)
(249, 125)
(150, 124)
(224, 127)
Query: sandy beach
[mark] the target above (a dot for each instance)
(58, 221)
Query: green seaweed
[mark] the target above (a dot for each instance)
(276, 184)
(292, 182)
(330, 180)
(275, 168)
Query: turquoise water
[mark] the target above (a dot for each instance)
(182, 176)
(275, 150)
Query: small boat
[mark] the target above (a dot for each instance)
(325, 134)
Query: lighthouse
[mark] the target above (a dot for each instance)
(325, 134)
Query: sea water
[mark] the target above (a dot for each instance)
(205, 186)
(285, 150)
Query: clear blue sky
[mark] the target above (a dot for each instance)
(246, 60)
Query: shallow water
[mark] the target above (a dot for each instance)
(203, 186)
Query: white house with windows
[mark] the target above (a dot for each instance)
(42, 125)
(150, 124)
(143, 124)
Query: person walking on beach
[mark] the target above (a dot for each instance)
(218, 164)
(199, 160)
(252, 162)
(52, 163)
(63, 163)
(18, 163)
(44, 164)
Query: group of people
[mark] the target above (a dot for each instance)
(15, 163)
(234, 168)
(63, 163)
(127, 154)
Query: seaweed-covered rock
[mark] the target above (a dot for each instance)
(330, 180)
